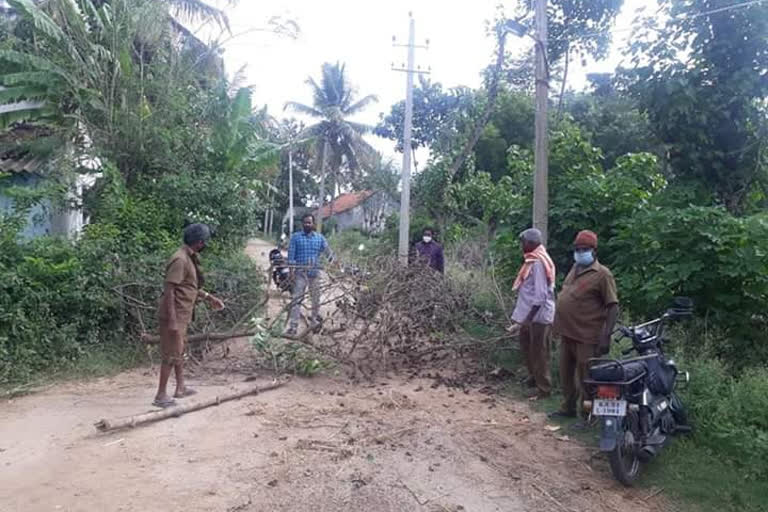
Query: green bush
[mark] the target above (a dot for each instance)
(59, 300)
(703, 252)
(729, 414)
(53, 306)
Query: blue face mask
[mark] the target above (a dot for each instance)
(584, 258)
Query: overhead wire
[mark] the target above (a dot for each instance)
(682, 17)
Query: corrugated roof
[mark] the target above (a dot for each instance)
(27, 163)
(14, 157)
(343, 203)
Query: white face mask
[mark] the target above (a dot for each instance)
(427, 239)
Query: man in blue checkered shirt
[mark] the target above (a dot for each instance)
(304, 252)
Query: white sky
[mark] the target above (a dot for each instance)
(359, 33)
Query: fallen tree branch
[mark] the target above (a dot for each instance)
(154, 339)
(106, 425)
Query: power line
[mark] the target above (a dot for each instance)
(726, 8)
(682, 17)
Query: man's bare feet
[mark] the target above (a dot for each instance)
(183, 393)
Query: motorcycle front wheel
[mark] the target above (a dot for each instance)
(624, 459)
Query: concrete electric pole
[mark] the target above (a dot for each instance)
(541, 155)
(405, 193)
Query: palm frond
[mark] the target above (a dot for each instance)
(197, 10)
(315, 131)
(241, 104)
(37, 63)
(22, 92)
(26, 77)
(334, 84)
(41, 21)
(303, 109)
(360, 105)
(360, 128)
(93, 14)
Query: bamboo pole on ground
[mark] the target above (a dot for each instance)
(154, 339)
(105, 425)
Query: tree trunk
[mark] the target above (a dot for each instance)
(266, 214)
(334, 185)
(323, 159)
(562, 86)
(493, 92)
(106, 425)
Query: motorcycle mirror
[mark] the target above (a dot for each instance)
(682, 303)
(681, 306)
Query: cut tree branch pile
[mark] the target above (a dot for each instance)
(382, 316)
(386, 316)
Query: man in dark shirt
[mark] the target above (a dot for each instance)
(585, 316)
(182, 288)
(430, 251)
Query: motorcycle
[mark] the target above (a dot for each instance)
(281, 273)
(635, 399)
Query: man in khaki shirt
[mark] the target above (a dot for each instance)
(183, 285)
(585, 316)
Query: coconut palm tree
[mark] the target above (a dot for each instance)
(339, 142)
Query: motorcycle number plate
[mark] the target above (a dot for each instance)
(606, 407)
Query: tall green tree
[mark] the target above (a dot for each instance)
(435, 111)
(613, 122)
(701, 77)
(339, 141)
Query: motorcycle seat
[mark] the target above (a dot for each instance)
(612, 372)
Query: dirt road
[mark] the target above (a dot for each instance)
(320, 444)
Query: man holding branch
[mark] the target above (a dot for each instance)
(182, 287)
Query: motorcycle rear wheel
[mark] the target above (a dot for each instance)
(624, 459)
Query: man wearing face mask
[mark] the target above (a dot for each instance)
(183, 286)
(430, 251)
(304, 251)
(587, 307)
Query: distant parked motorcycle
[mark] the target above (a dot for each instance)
(281, 273)
(635, 398)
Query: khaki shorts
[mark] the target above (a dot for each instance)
(172, 346)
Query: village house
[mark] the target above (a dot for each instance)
(21, 170)
(366, 211)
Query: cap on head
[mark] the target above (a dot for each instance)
(531, 236)
(586, 238)
(196, 233)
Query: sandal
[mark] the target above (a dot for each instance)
(187, 392)
(168, 402)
